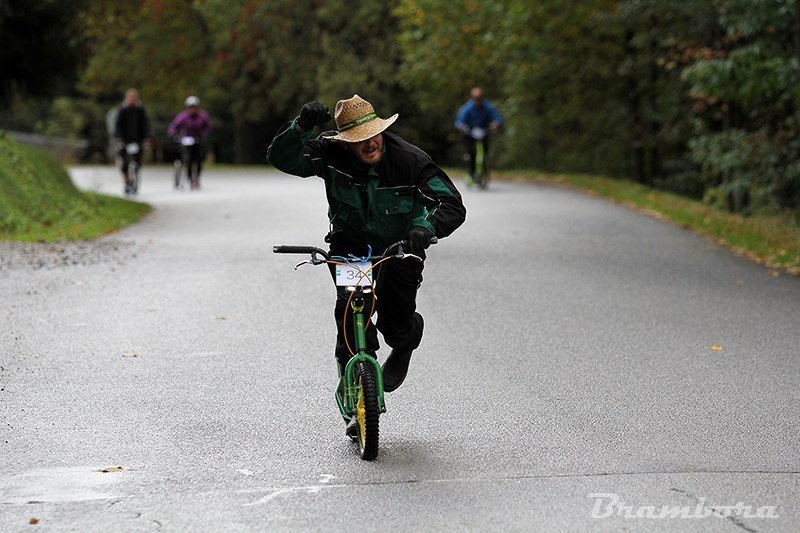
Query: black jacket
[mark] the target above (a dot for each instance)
(132, 125)
(375, 205)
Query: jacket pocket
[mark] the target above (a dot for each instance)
(345, 204)
(394, 201)
(393, 212)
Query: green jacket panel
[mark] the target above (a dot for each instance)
(373, 205)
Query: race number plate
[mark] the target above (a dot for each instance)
(477, 133)
(354, 274)
(132, 148)
(187, 141)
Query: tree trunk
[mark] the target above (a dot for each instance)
(654, 169)
(797, 29)
(635, 104)
(238, 138)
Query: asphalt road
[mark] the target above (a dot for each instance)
(572, 348)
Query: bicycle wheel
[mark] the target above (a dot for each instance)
(483, 181)
(367, 412)
(481, 170)
(177, 171)
(133, 169)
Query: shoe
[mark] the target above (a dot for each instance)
(352, 429)
(395, 369)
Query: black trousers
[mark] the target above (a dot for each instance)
(193, 157)
(395, 301)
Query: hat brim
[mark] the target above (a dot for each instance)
(362, 132)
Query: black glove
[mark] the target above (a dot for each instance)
(419, 238)
(313, 113)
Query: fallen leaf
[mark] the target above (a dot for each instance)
(111, 469)
(33, 521)
(739, 282)
(774, 273)
(222, 318)
(131, 355)
(716, 348)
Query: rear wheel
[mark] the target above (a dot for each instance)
(367, 412)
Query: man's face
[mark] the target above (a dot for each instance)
(368, 152)
(131, 99)
(193, 109)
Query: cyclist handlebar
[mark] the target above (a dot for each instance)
(289, 249)
(400, 253)
(314, 251)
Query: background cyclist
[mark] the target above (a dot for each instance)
(131, 126)
(192, 122)
(477, 112)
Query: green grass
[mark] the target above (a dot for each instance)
(39, 202)
(770, 240)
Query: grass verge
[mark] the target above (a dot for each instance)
(773, 241)
(39, 202)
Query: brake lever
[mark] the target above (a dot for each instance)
(401, 254)
(313, 261)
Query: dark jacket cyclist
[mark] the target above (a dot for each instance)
(131, 128)
(380, 190)
(476, 118)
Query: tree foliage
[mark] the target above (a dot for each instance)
(40, 47)
(159, 47)
(694, 96)
(747, 93)
(698, 96)
(563, 96)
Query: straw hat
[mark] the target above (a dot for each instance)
(356, 120)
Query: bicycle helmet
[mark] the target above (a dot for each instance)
(192, 101)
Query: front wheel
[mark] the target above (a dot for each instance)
(367, 412)
(483, 180)
(481, 167)
(177, 166)
(135, 173)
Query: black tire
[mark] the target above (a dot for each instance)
(367, 412)
(178, 170)
(482, 170)
(133, 169)
(483, 179)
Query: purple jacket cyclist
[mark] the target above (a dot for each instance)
(192, 121)
(192, 126)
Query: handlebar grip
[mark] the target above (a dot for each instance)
(287, 249)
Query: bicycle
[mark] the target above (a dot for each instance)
(183, 161)
(134, 169)
(359, 392)
(481, 176)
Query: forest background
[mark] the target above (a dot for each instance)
(697, 97)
